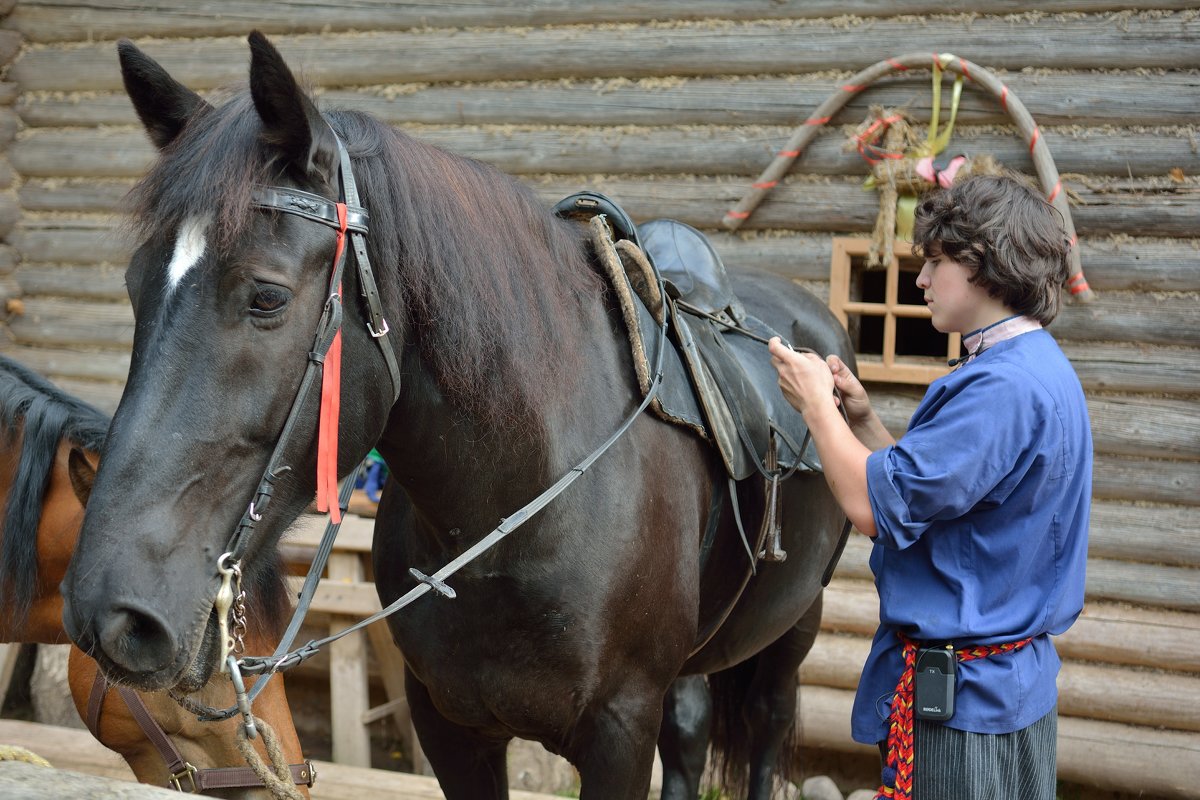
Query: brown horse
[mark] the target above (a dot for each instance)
(39, 481)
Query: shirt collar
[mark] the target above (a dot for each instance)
(979, 340)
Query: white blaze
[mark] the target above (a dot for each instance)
(189, 248)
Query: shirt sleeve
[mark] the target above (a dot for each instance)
(969, 444)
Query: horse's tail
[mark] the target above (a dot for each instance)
(733, 728)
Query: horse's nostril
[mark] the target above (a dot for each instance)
(137, 640)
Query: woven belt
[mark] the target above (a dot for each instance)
(898, 771)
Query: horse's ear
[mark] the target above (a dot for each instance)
(163, 103)
(82, 469)
(290, 119)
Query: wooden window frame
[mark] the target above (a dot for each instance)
(889, 368)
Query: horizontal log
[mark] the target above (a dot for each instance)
(1147, 533)
(9, 213)
(752, 48)
(55, 322)
(9, 258)
(1092, 98)
(1146, 480)
(804, 203)
(1131, 426)
(1112, 694)
(9, 92)
(97, 282)
(1155, 585)
(655, 150)
(1116, 262)
(1107, 755)
(66, 20)
(57, 363)
(1109, 633)
(75, 241)
(1103, 366)
(104, 395)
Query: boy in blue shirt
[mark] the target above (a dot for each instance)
(978, 513)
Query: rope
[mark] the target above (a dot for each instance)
(987, 81)
(277, 777)
(898, 771)
(11, 752)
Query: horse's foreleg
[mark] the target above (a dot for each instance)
(771, 700)
(468, 766)
(613, 746)
(683, 740)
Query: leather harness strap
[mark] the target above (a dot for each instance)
(184, 776)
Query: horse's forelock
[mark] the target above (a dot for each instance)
(208, 172)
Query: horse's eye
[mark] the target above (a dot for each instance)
(269, 300)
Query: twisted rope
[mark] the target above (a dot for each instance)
(898, 771)
(277, 777)
(11, 752)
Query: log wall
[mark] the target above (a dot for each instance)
(672, 108)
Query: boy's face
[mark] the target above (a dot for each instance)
(958, 306)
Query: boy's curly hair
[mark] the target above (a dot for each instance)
(1011, 238)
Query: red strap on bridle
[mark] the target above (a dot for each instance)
(331, 402)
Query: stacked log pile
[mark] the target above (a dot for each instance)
(672, 108)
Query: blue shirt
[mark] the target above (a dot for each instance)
(982, 514)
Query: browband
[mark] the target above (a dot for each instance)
(310, 206)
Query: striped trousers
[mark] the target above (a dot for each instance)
(957, 765)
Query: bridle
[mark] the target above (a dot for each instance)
(348, 217)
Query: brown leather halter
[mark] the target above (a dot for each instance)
(185, 777)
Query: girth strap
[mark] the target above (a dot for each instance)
(184, 776)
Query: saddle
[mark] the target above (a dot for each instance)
(718, 380)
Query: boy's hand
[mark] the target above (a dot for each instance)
(806, 380)
(854, 396)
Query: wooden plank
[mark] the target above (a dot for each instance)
(752, 48)
(1099, 98)
(1109, 633)
(659, 150)
(1106, 755)
(66, 20)
(1113, 694)
(348, 692)
(354, 536)
(72, 241)
(103, 395)
(1154, 585)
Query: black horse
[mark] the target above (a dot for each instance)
(514, 365)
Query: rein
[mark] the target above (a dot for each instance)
(348, 218)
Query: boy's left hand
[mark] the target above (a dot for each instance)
(804, 378)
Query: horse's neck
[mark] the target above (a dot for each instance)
(445, 457)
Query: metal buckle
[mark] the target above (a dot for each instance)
(188, 772)
(378, 334)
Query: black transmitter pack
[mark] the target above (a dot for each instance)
(934, 691)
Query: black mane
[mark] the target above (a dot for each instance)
(490, 281)
(46, 415)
